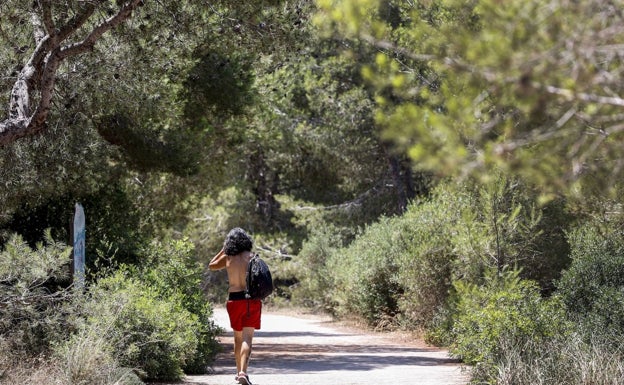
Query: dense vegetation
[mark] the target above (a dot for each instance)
(447, 167)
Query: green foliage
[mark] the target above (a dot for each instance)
(593, 286)
(399, 265)
(153, 334)
(486, 87)
(316, 284)
(218, 84)
(289, 148)
(32, 289)
(50, 168)
(142, 131)
(153, 319)
(425, 254)
(116, 227)
(399, 270)
(172, 270)
(319, 107)
(116, 119)
(505, 309)
(365, 277)
(503, 224)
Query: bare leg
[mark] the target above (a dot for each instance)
(245, 349)
(238, 342)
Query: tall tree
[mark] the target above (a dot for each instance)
(59, 32)
(307, 131)
(113, 133)
(531, 87)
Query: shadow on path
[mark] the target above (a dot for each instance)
(313, 351)
(274, 352)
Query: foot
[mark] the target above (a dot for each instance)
(243, 378)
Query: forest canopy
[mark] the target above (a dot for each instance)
(401, 161)
(531, 87)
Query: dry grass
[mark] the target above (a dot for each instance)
(52, 372)
(571, 361)
(84, 360)
(19, 370)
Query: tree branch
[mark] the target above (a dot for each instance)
(25, 118)
(582, 96)
(77, 21)
(46, 10)
(124, 13)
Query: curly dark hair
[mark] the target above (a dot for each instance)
(237, 241)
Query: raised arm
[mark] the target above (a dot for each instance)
(219, 261)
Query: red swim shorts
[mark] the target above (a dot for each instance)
(244, 313)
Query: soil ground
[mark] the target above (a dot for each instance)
(314, 350)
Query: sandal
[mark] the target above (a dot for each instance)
(243, 379)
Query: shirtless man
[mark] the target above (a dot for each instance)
(244, 313)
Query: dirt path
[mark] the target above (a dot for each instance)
(310, 350)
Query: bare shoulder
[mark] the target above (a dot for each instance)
(238, 260)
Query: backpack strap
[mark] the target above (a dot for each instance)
(248, 276)
(248, 282)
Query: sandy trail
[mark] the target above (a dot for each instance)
(302, 349)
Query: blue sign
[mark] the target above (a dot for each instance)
(79, 246)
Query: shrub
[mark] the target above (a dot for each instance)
(26, 370)
(425, 254)
(364, 276)
(32, 288)
(172, 270)
(504, 310)
(593, 286)
(501, 224)
(315, 279)
(495, 226)
(39, 342)
(397, 272)
(152, 334)
(160, 317)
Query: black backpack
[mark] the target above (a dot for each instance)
(259, 280)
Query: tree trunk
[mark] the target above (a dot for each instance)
(32, 93)
(403, 180)
(265, 184)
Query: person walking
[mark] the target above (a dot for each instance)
(244, 313)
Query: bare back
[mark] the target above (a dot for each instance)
(236, 267)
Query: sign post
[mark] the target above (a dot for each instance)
(79, 247)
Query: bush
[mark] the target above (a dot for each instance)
(400, 269)
(504, 310)
(397, 272)
(174, 272)
(425, 253)
(593, 287)
(160, 319)
(39, 340)
(32, 289)
(315, 279)
(149, 333)
(501, 224)
(365, 276)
